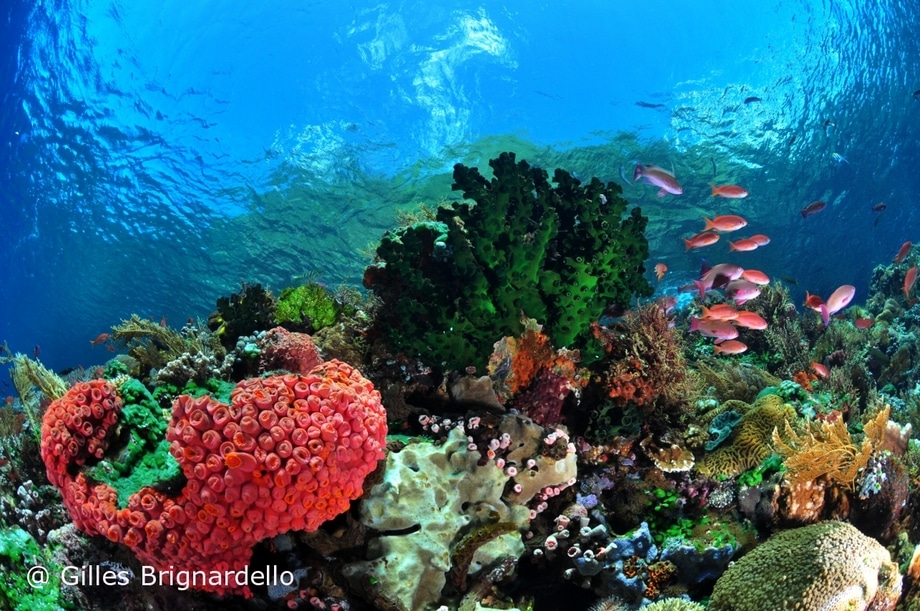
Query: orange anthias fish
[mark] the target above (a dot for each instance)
(726, 222)
(863, 323)
(755, 276)
(760, 238)
(732, 346)
(820, 369)
(813, 302)
(909, 279)
(707, 238)
(102, 337)
(729, 191)
(903, 252)
(743, 245)
(720, 311)
(660, 270)
(750, 320)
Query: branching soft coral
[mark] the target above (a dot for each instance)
(646, 362)
(826, 448)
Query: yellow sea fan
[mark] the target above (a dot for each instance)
(827, 448)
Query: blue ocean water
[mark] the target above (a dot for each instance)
(156, 154)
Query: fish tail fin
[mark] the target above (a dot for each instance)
(687, 244)
(709, 224)
(706, 312)
(715, 190)
(825, 315)
(694, 324)
(702, 288)
(731, 247)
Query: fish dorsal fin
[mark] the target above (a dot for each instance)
(655, 168)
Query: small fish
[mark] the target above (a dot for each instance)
(700, 240)
(840, 298)
(903, 251)
(725, 223)
(820, 369)
(755, 276)
(720, 311)
(101, 338)
(751, 320)
(917, 95)
(839, 158)
(813, 302)
(713, 162)
(658, 177)
(761, 239)
(36, 351)
(163, 321)
(642, 104)
(879, 207)
(728, 191)
(623, 177)
(743, 245)
(813, 208)
(110, 347)
(730, 347)
(909, 279)
(718, 329)
(660, 270)
(741, 291)
(752, 99)
(864, 323)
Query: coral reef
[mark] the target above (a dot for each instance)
(281, 349)
(444, 516)
(749, 442)
(532, 377)
(830, 565)
(450, 288)
(243, 313)
(645, 365)
(827, 449)
(287, 453)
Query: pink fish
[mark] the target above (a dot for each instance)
(909, 279)
(719, 329)
(750, 320)
(730, 347)
(741, 290)
(760, 238)
(840, 298)
(659, 177)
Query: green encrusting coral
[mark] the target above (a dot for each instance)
(452, 287)
(140, 455)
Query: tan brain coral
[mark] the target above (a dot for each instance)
(829, 566)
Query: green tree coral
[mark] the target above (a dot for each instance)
(308, 308)
(559, 254)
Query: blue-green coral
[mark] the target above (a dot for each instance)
(559, 254)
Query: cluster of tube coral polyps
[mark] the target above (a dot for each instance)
(288, 453)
